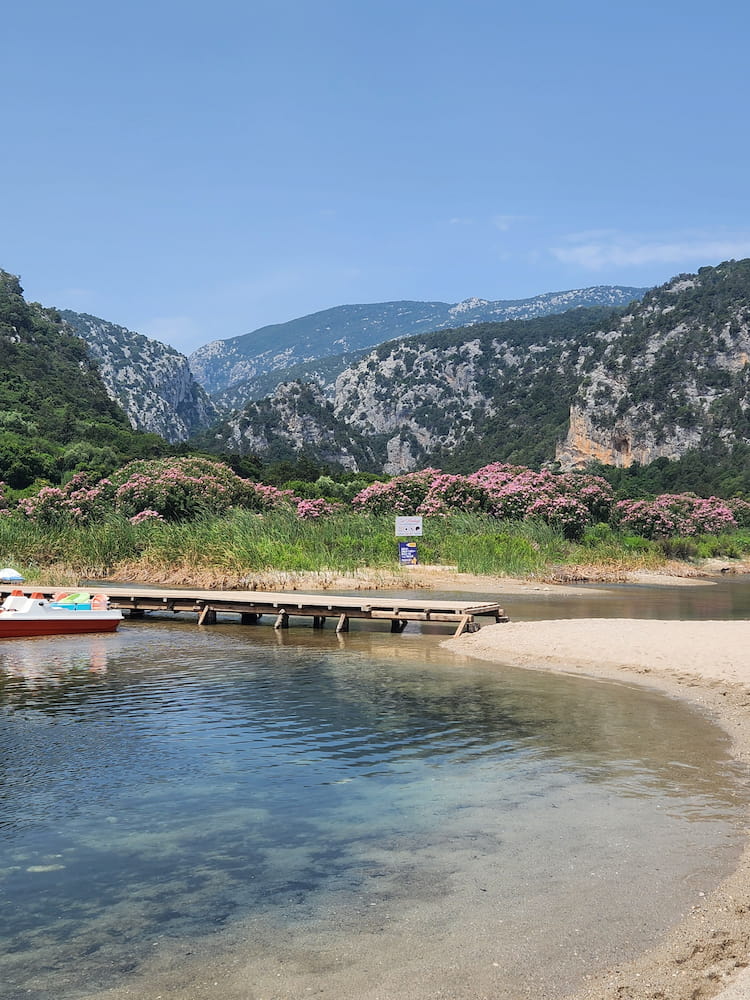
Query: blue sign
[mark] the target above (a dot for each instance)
(407, 553)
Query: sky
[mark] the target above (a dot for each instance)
(195, 171)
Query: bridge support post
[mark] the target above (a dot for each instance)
(282, 621)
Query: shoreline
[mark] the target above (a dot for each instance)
(560, 579)
(707, 953)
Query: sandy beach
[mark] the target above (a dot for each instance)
(708, 664)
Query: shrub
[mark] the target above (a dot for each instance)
(673, 514)
(178, 488)
(592, 491)
(740, 511)
(308, 510)
(447, 493)
(401, 495)
(79, 501)
(563, 512)
(678, 548)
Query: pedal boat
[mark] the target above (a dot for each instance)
(66, 614)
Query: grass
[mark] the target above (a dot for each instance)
(237, 546)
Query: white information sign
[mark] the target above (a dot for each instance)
(407, 527)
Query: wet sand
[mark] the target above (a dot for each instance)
(708, 664)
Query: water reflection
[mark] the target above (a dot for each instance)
(50, 661)
(173, 780)
(362, 705)
(716, 598)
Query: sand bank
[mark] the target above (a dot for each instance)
(707, 663)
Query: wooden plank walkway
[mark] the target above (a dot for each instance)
(250, 605)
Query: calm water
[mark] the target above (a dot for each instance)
(723, 598)
(174, 794)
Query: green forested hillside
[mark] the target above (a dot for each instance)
(55, 414)
(502, 389)
(234, 370)
(664, 382)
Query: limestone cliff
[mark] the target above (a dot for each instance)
(629, 440)
(234, 370)
(663, 377)
(673, 375)
(149, 380)
(295, 419)
(403, 403)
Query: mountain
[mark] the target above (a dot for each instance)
(295, 419)
(56, 415)
(673, 377)
(661, 378)
(150, 381)
(493, 391)
(223, 366)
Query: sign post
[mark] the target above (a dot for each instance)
(408, 527)
(407, 553)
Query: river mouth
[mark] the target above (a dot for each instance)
(351, 815)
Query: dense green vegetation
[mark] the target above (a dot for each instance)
(242, 549)
(55, 414)
(56, 418)
(667, 373)
(717, 471)
(681, 353)
(196, 518)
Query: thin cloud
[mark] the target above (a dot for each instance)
(597, 255)
(506, 222)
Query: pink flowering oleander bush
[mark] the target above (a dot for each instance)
(740, 511)
(674, 514)
(178, 488)
(510, 492)
(448, 493)
(182, 488)
(148, 516)
(496, 474)
(563, 512)
(309, 510)
(594, 492)
(79, 501)
(511, 497)
(259, 498)
(401, 495)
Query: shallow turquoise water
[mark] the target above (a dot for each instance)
(170, 784)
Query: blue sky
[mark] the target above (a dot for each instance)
(195, 171)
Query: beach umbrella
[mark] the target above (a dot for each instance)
(9, 575)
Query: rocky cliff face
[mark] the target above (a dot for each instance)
(411, 399)
(667, 375)
(150, 381)
(673, 376)
(416, 399)
(225, 367)
(629, 440)
(295, 418)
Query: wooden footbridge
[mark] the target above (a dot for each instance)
(251, 605)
